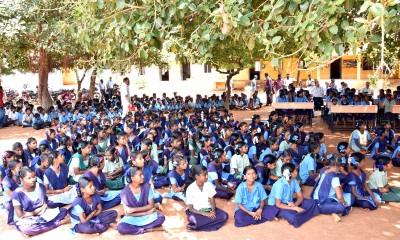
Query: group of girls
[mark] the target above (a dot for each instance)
(200, 157)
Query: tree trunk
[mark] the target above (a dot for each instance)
(298, 74)
(229, 90)
(79, 90)
(92, 83)
(79, 81)
(43, 89)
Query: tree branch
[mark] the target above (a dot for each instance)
(32, 37)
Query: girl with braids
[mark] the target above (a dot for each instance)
(173, 143)
(177, 178)
(284, 157)
(30, 212)
(50, 140)
(79, 162)
(42, 164)
(55, 180)
(223, 188)
(272, 148)
(133, 139)
(30, 151)
(86, 211)
(379, 146)
(230, 149)
(285, 143)
(255, 123)
(92, 140)
(360, 138)
(66, 148)
(225, 136)
(138, 204)
(7, 157)
(19, 153)
(295, 150)
(10, 182)
(121, 145)
(202, 213)
(113, 169)
(205, 148)
(356, 184)
(295, 211)
(42, 149)
(264, 168)
(344, 150)
(250, 201)
(239, 161)
(308, 167)
(102, 140)
(61, 129)
(328, 192)
(108, 198)
(378, 181)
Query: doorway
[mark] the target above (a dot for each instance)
(255, 71)
(336, 69)
(185, 71)
(164, 71)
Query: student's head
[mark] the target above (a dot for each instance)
(219, 156)
(85, 186)
(299, 127)
(17, 148)
(50, 134)
(235, 138)
(65, 141)
(13, 167)
(179, 162)
(84, 148)
(250, 174)
(121, 139)
(357, 160)
(31, 143)
(134, 175)
(313, 148)
(289, 171)
(44, 162)
(175, 142)
(383, 163)
(380, 132)
(146, 144)
(386, 124)
(343, 148)
(27, 177)
(243, 126)
(285, 156)
(62, 128)
(294, 138)
(334, 161)
(205, 141)
(269, 162)
(360, 125)
(272, 143)
(258, 138)
(319, 137)
(96, 161)
(137, 159)
(199, 173)
(55, 157)
(43, 149)
(241, 148)
(7, 157)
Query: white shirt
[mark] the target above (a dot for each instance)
(125, 92)
(286, 81)
(101, 86)
(111, 167)
(317, 91)
(13, 116)
(27, 118)
(239, 163)
(200, 199)
(369, 90)
(110, 84)
(310, 83)
(75, 164)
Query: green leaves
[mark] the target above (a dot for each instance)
(377, 10)
(304, 6)
(279, 4)
(333, 29)
(276, 39)
(120, 4)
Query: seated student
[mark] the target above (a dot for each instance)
(344, 150)
(202, 213)
(31, 150)
(10, 182)
(7, 157)
(294, 211)
(30, 213)
(378, 181)
(66, 148)
(284, 157)
(295, 149)
(272, 148)
(43, 164)
(42, 149)
(38, 123)
(122, 146)
(177, 178)
(239, 161)
(86, 211)
(138, 203)
(379, 146)
(27, 118)
(108, 198)
(264, 172)
(223, 188)
(55, 180)
(79, 162)
(308, 167)
(356, 184)
(284, 144)
(360, 138)
(396, 155)
(113, 169)
(250, 199)
(329, 194)
(50, 140)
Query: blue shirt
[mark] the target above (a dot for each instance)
(332, 194)
(283, 191)
(250, 200)
(308, 164)
(37, 121)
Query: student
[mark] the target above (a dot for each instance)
(55, 180)
(30, 151)
(379, 146)
(121, 144)
(138, 203)
(31, 214)
(42, 149)
(223, 188)
(240, 160)
(27, 118)
(360, 138)
(272, 148)
(295, 150)
(79, 162)
(328, 192)
(202, 213)
(378, 181)
(7, 157)
(285, 143)
(356, 184)
(43, 164)
(66, 148)
(113, 169)
(177, 178)
(264, 172)
(396, 155)
(108, 198)
(344, 150)
(38, 123)
(294, 211)
(10, 184)
(250, 199)
(86, 211)
(308, 167)
(320, 139)
(284, 157)
(50, 140)
(19, 154)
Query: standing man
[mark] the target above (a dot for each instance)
(104, 96)
(367, 90)
(3, 116)
(110, 88)
(287, 81)
(318, 93)
(269, 89)
(310, 82)
(125, 97)
(254, 84)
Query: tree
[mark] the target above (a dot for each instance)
(32, 42)
(79, 80)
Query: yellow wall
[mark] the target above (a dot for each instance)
(68, 77)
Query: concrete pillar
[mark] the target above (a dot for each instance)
(318, 74)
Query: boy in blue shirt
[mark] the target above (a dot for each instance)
(38, 123)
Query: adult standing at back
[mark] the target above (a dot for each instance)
(287, 81)
(110, 88)
(102, 89)
(269, 89)
(125, 97)
(318, 93)
(254, 84)
(278, 83)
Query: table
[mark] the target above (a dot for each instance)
(295, 105)
(395, 110)
(363, 109)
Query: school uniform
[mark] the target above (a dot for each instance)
(283, 190)
(362, 139)
(123, 154)
(76, 162)
(53, 145)
(200, 201)
(178, 180)
(110, 167)
(308, 164)
(29, 202)
(239, 162)
(56, 182)
(379, 179)
(297, 156)
(379, 144)
(98, 224)
(251, 202)
(8, 184)
(215, 173)
(358, 182)
(396, 161)
(324, 193)
(138, 225)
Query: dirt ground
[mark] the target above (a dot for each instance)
(382, 223)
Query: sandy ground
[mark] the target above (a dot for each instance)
(383, 223)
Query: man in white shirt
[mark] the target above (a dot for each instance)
(287, 81)
(125, 97)
(102, 90)
(310, 82)
(367, 90)
(110, 88)
(318, 93)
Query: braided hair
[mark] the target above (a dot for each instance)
(82, 183)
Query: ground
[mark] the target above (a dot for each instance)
(382, 223)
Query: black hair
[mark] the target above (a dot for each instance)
(217, 154)
(23, 172)
(238, 146)
(53, 155)
(268, 159)
(247, 168)
(382, 161)
(312, 146)
(298, 126)
(357, 157)
(64, 139)
(17, 145)
(82, 144)
(335, 160)
(196, 170)
(82, 183)
(271, 141)
(359, 124)
(234, 137)
(294, 137)
(91, 137)
(118, 137)
(147, 142)
(48, 133)
(11, 165)
(28, 141)
(379, 132)
(241, 125)
(288, 166)
(7, 154)
(342, 146)
(318, 136)
(43, 157)
(131, 172)
(176, 160)
(204, 139)
(285, 153)
(95, 160)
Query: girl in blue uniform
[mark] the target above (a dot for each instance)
(295, 150)
(177, 178)
(264, 172)
(30, 151)
(379, 146)
(50, 140)
(328, 192)
(308, 167)
(249, 199)
(294, 211)
(344, 150)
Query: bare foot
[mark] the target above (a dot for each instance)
(66, 220)
(336, 217)
(25, 236)
(158, 206)
(366, 209)
(113, 226)
(156, 229)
